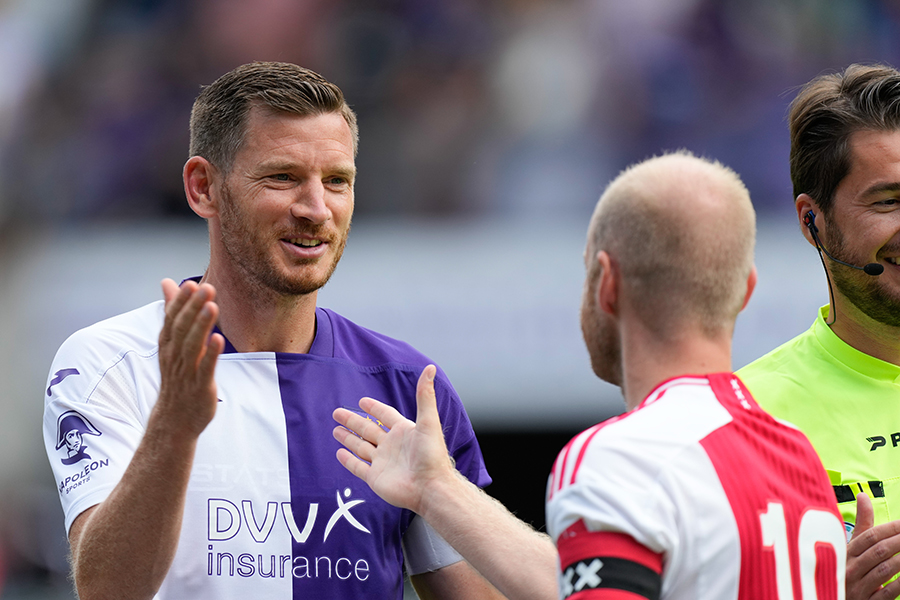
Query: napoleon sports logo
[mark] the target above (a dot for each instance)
(71, 427)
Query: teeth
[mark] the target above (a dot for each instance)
(305, 243)
(894, 260)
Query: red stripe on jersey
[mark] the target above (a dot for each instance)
(657, 393)
(560, 464)
(577, 543)
(581, 452)
(769, 473)
(665, 385)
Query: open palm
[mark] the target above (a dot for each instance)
(397, 458)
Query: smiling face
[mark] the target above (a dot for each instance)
(286, 204)
(864, 225)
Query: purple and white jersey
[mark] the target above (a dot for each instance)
(270, 512)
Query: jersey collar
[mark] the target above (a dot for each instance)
(323, 343)
(850, 356)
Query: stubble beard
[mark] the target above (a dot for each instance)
(865, 292)
(601, 341)
(249, 251)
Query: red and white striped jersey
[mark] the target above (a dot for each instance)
(697, 493)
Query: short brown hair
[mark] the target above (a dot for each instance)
(219, 116)
(824, 115)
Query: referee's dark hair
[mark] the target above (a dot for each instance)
(219, 116)
(823, 116)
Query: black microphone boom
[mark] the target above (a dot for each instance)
(873, 269)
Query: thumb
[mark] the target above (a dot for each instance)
(426, 404)
(865, 515)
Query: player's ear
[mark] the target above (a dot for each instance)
(751, 285)
(199, 175)
(608, 284)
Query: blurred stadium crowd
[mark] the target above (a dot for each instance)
(516, 109)
(466, 106)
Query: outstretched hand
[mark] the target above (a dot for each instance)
(400, 461)
(872, 556)
(188, 352)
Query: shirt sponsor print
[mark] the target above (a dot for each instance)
(227, 521)
(71, 427)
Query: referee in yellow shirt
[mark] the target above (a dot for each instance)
(839, 382)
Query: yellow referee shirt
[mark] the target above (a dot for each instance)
(848, 405)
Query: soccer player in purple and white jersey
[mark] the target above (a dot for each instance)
(191, 438)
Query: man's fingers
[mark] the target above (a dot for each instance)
(178, 297)
(190, 319)
(170, 290)
(386, 415)
(359, 447)
(889, 591)
(865, 515)
(214, 349)
(426, 403)
(197, 336)
(352, 463)
(359, 426)
(866, 535)
(879, 542)
(867, 582)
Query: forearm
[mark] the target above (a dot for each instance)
(515, 558)
(125, 546)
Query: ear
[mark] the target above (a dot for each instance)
(804, 204)
(751, 285)
(199, 175)
(608, 286)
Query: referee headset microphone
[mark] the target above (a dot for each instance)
(873, 269)
(809, 220)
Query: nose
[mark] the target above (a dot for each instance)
(309, 204)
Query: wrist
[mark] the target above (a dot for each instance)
(169, 431)
(179, 417)
(442, 493)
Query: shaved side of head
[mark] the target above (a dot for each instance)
(682, 230)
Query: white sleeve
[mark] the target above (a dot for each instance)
(620, 487)
(425, 550)
(92, 420)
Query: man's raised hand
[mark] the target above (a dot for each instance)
(188, 352)
(872, 557)
(401, 460)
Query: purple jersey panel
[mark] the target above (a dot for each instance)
(346, 540)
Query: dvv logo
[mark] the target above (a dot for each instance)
(226, 519)
(71, 427)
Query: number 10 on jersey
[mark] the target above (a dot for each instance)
(816, 527)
